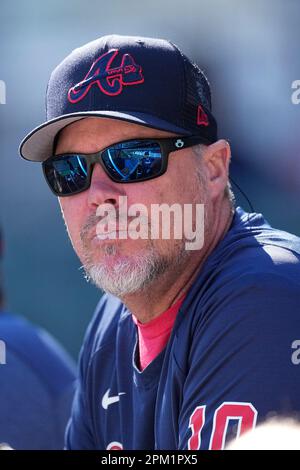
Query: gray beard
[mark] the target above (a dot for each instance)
(133, 274)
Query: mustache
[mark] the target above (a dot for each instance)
(90, 223)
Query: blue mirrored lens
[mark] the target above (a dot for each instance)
(132, 161)
(66, 174)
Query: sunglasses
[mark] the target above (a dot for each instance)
(129, 161)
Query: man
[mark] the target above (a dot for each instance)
(186, 344)
(37, 384)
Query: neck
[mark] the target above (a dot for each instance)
(161, 295)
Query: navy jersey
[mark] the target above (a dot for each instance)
(226, 367)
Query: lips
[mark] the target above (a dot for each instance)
(113, 234)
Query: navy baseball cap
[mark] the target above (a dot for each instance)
(141, 80)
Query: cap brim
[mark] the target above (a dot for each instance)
(37, 146)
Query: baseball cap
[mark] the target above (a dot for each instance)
(145, 81)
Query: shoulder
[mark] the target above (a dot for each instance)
(253, 273)
(264, 263)
(252, 306)
(263, 269)
(32, 348)
(253, 251)
(265, 285)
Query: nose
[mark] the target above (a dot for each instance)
(103, 190)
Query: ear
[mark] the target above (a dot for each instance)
(217, 158)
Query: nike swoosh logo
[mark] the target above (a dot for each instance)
(107, 400)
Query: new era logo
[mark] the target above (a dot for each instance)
(202, 118)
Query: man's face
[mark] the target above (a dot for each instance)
(123, 266)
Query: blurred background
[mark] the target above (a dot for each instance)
(250, 53)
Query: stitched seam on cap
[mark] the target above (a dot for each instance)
(182, 91)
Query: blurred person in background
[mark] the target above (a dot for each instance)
(37, 380)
